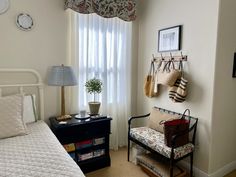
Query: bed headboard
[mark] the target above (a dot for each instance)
(38, 85)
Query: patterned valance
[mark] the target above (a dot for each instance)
(124, 9)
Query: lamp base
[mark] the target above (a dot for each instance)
(63, 117)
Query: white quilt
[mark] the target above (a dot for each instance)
(38, 154)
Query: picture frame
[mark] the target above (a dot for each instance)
(169, 39)
(234, 66)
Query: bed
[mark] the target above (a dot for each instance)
(37, 153)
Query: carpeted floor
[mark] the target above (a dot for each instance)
(120, 167)
(232, 174)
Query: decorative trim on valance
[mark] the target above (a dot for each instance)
(124, 9)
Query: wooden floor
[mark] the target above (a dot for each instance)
(120, 167)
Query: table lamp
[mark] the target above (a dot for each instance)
(62, 76)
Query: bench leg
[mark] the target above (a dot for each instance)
(128, 148)
(171, 168)
(191, 165)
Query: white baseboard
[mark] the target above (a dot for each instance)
(196, 172)
(219, 173)
(224, 170)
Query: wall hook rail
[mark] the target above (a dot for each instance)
(174, 58)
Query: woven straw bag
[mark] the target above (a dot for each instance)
(168, 75)
(178, 92)
(149, 83)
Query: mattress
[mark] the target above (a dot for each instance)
(38, 154)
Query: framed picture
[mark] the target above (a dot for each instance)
(169, 39)
(234, 66)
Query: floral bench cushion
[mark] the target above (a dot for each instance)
(155, 140)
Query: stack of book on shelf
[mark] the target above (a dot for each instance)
(81, 147)
(98, 141)
(85, 156)
(89, 155)
(70, 148)
(72, 155)
(84, 144)
(98, 152)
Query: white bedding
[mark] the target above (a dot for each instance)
(38, 154)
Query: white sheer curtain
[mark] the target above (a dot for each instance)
(103, 50)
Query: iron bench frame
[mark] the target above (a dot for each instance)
(192, 129)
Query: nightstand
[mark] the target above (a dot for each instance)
(86, 141)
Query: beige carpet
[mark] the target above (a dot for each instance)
(232, 174)
(120, 167)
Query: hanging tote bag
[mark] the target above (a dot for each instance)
(150, 82)
(173, 127)
(168, 75)
(178, 92)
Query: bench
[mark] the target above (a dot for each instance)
(151, 137)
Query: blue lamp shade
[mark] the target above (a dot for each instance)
(62, 76)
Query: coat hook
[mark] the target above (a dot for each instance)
(153, 57)
(162, 58)
(182, 55)
(171, 56)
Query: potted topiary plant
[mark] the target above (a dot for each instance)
(94, 86)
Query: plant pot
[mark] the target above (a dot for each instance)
(94, 107)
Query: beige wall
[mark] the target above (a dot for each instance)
(38, 49)
(199, 20)
(224, 112)
(134, 65)
(46, 45)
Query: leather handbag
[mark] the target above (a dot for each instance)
(149, 84)
(174, 127)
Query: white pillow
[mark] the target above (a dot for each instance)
(29, 109)
(11, 119)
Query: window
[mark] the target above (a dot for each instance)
(103, 50)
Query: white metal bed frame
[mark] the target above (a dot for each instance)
(39, 85)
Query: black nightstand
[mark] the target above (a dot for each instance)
(87, 141)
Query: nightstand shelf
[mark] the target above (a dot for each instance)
(87, 141)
